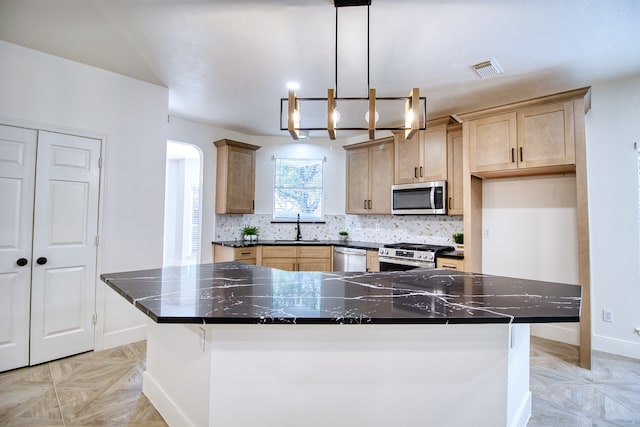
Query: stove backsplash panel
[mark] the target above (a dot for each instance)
(367, 228)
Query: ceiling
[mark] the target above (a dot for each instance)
(227, 62)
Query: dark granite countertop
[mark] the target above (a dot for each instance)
(234, 292)
(343, 243)
(452, 254)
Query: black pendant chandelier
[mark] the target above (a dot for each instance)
(371, 113)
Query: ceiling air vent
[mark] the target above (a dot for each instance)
(488, 68)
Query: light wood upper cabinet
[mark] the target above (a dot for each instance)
(546, 136)
(369, 177)
(424, 157)
(454, 170)
(535, 140)
(235, 177)
(493, 143)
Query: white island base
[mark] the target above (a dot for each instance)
(339, 375)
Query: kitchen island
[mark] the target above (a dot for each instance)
(234, 344)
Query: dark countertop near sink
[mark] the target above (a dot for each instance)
(346, 244)
(234, 292)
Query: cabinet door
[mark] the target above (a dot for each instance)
(493, 143)
(241, 180)
(433, 166)
(454, 172)
(546, 136)
(288, 264)
(357, 181)
(381, 179)
(373, 262)
(407, 157)
(308, 264)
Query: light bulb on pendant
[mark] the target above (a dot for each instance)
(336, 117)
(408, 119)
(377, 117)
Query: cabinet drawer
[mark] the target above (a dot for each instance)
(279, 252)
(450, 264)
(314, 252)
(246, 253)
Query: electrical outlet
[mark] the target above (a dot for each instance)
(607, 315)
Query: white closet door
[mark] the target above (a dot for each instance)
(17, 169)
(64, 246)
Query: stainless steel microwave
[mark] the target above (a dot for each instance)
(423, 198)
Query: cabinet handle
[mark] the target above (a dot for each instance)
(365, 204)
(449, 266)
(513, 155)
(420, 171)
(520, 153)
(369, 203)
(450, 203)
(41, 261)
(22, 262)
(245, 253)
(415, 172)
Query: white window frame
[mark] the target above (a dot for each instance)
(291, 215)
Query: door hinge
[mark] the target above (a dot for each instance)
(100, 163)
(97, 240)
(94, 319)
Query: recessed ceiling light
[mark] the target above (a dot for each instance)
(488, 68)
(293, 86)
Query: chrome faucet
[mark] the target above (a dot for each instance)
(299, 236)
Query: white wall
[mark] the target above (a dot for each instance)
(48, 92)
(613, 125)
(530, 231)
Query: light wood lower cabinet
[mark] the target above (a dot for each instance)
(225, 253)
(450, 263)
(297, 258)
(373, 263)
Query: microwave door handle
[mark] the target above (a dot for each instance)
(433, 197)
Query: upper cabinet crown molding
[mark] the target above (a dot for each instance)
(583, 94)
(235, 177)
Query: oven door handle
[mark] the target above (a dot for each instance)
(423, 264)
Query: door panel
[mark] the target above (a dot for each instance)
(65, 228)
(17, 169)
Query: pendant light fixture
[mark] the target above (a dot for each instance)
(410, 119)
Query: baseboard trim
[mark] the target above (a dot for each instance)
(172, 415)
(124, 336)
(616, 346)
(556, 333)
(523, 413)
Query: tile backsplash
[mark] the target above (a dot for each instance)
(367, 228)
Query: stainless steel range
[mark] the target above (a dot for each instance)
(408, 256)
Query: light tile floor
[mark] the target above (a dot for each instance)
(104, 388)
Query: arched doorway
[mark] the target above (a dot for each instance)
(183, 204)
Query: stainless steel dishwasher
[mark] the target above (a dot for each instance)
(349, 259)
